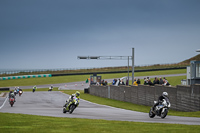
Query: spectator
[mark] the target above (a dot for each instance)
(148, 79)
(138, 81)
(114, 81)
(106, 83)
(135, 82)
(127, 82)
(161, 81)
(102, 82)
(97, 83)
(122, 82)
(119, 82)
(92, 80)
(165, 79)
(166, 82)
(156, 81)
(150, 83)
(145, 81)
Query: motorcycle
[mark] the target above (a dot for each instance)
(160, 110)
(15, 92)
(20, 93)
(74, 104)
(50, 89)
(12, 101)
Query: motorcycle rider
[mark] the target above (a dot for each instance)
(160, 99)
(12, 95)
(20, 89)
(69, 101)
(34, 87)
(17, 90)
(50, 88)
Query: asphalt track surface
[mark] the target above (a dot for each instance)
(51, 103)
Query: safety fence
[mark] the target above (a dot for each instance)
(25, 76)
(182, 98)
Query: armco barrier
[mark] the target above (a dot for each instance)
(182, 98)
(25, 76)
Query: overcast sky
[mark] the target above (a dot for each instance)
(39, 34)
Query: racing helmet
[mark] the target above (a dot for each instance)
(165, 94)
(11, 91)
(77, 93)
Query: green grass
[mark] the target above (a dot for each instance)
(75, 78)
(42, 124)
(42, 81)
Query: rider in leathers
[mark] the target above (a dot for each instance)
(12, 95)
(160, 99)
(69, 101)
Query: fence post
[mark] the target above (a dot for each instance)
(109, 91)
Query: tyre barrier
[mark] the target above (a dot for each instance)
(25, 76)
(4, 89)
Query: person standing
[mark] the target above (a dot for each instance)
(135, 82)
(161, 81)
(150, 83)
(138, 81)
(156, 81)
(145, 81)
(119, 82)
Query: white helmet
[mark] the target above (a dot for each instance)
(165, 94)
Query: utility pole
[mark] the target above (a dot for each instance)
(132, 65)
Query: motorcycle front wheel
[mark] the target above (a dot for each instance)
(164, 114)
(71, 108)
(11, 104)
(151, 114)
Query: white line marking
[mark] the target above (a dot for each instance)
(4, 102)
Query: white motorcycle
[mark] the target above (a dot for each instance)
(160, 110)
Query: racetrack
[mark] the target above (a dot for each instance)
(50, 104)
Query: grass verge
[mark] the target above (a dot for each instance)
(42, 124)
